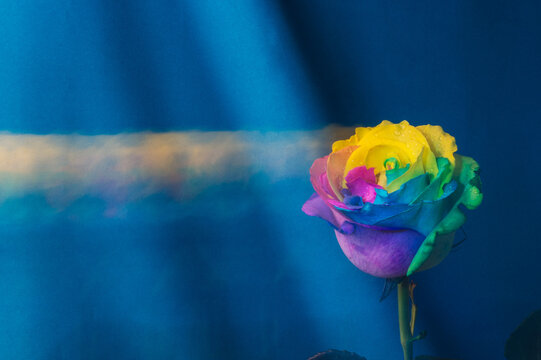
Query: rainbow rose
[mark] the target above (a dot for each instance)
(392, 193)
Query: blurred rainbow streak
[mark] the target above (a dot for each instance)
(132, 166)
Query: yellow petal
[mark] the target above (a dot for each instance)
(387, 140)
(382, 179)
(441, 143)
(360, 132)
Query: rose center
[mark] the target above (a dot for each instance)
(391, 163)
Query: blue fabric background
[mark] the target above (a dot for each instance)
(264, 281)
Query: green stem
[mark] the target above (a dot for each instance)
(404, 317)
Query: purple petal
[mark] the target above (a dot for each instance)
(382, 253)
(316, 206)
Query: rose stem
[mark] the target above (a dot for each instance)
(404, 315)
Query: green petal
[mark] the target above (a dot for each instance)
(436, 246)
(435, 189)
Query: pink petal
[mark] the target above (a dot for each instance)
(318, 177)
(336, 163)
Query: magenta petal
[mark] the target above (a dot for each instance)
(361, 172)
(381, 253)
(362, 182)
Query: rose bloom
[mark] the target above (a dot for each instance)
(392, 194)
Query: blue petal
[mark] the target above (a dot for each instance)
(421, 216)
